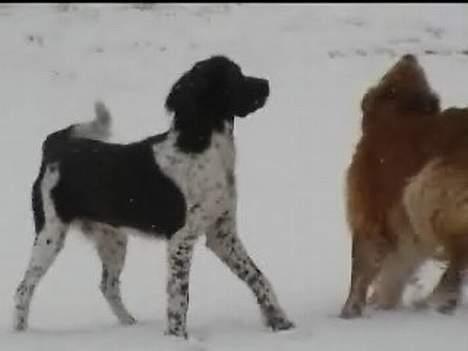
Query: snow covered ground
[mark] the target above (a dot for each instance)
(55, 61)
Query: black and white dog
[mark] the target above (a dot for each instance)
(177, 185)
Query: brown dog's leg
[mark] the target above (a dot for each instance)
(448, 291)
(397, 270)
(447, 294)
(367, 259)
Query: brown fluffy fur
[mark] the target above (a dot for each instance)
(407, 190)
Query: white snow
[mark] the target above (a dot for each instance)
(56, 60)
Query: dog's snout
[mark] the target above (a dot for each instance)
(264, 87)
(260, 85)
(410, 58)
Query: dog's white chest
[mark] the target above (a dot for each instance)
(205, 179)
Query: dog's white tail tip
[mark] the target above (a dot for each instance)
(97, 129)
(103, 116)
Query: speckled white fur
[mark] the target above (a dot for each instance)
(47, 245)
(207, 181)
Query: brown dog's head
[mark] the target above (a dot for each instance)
(403, 89)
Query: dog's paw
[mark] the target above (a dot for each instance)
(277, 321)
(128, 320)
(20, 324)
(177, 333)
(421, 304)
(447, 307)
(351, 311)
(440, 304)
(281, 324)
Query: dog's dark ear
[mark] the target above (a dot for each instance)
(200, 102)
(205, 90)
(183, 94)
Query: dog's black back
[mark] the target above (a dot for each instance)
(117, 184)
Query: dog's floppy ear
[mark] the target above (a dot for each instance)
(184, 93)
(205, 90)
(200, 100)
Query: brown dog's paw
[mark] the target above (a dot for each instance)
(351, 311)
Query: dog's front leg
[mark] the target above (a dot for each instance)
(179, 257)
(223, 240)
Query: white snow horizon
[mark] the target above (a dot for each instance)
(57, 60)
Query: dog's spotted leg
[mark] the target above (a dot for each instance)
(112, 247)
(47, 244)
(367, 259)
(179, 256)
(222, 239)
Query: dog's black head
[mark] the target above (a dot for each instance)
(212, 92)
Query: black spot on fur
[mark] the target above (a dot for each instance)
(194, 208)
(38, 210)
(253, 280)
(182, 275)
(184, 288)
(230, 179)
(178, 262)
(104, 277)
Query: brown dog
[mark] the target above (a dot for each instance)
(407, 190)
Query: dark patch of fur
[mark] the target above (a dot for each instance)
(38, 210)
(117, 184)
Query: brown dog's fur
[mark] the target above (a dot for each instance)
(407, 190)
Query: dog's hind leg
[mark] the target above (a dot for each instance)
(47, 244)
(398, 268)
(447, 294)
(112, 247)
(223, 240)
(368, 255)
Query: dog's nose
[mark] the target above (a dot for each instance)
(264, 87)
(410, 58)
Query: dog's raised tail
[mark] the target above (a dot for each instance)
(97, 129)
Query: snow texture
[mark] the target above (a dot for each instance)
(56, 60)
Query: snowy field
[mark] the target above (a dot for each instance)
(55, 61)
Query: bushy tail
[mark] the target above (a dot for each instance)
(97, 129)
